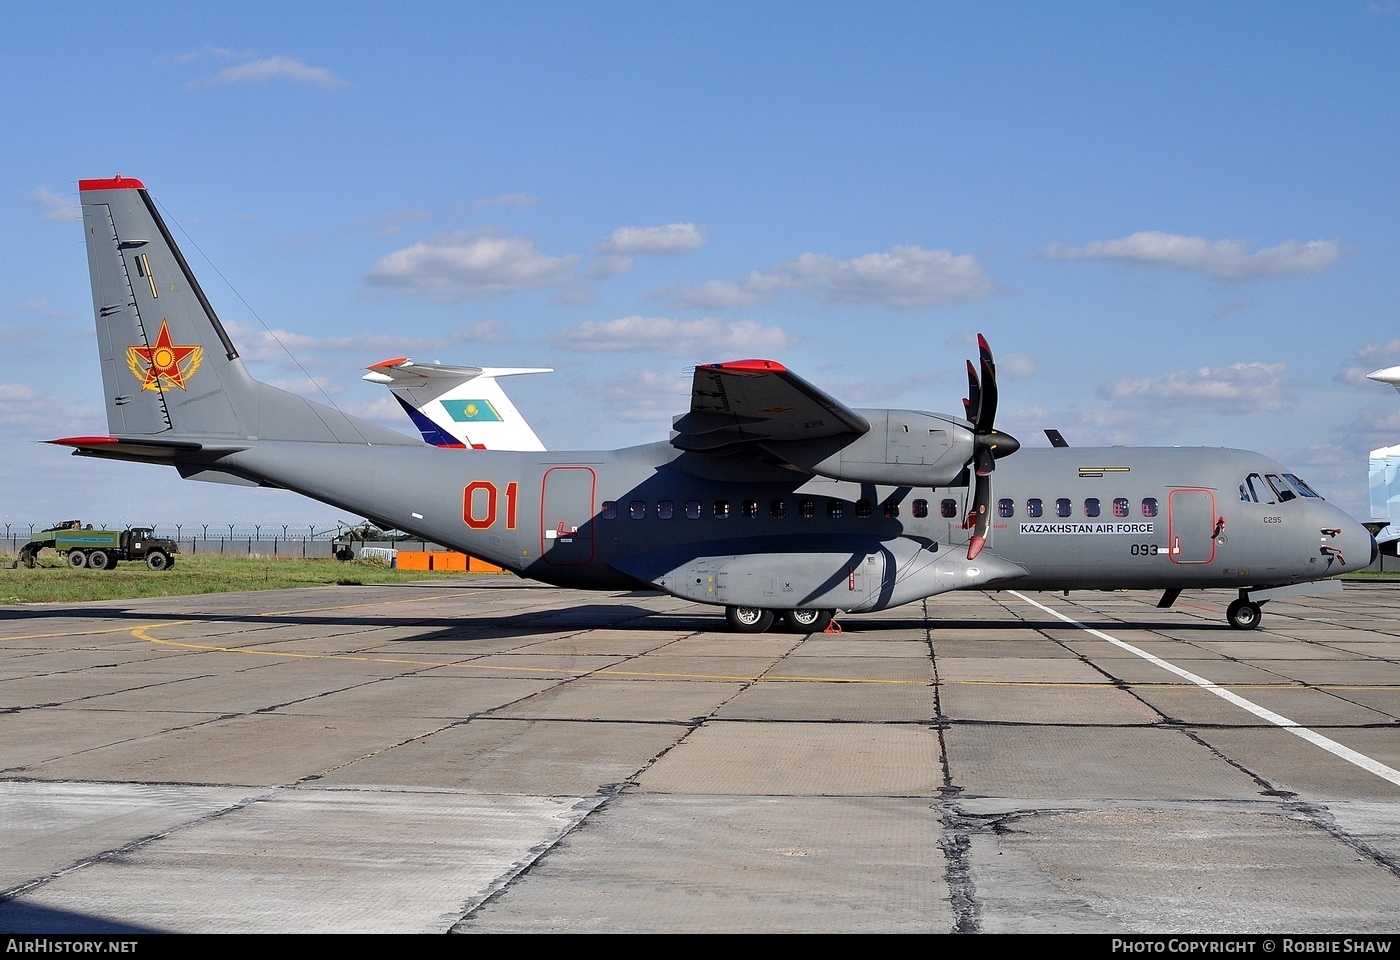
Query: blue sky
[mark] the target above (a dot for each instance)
(1176, 223)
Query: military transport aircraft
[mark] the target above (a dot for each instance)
(771, 498)
(458, 407)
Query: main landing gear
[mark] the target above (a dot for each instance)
(1244, 614)
(757, 619)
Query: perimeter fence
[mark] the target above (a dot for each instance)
(305, 541)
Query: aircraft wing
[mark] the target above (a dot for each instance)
(747, 402)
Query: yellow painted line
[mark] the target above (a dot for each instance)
(86, 633)
(141, 634)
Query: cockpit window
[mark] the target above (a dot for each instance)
(1283, 491)
(1255, 490)
(1302, 487)
(1275, 488)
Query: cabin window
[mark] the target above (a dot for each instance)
(1006, 507)
(1149, 506)
(891, 510)
(777, 509)
(948, 509)
(1091, 507)
(1034, 508)
(1120, 506)
(692, 509)
(920, 508)
(806, 509)
(1063, 507)
(609, 510)
(637, 509)
(835, 509)
(862, 509)
(750, 509)
(721, 509)
(663, 509)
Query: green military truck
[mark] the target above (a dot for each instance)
(100, 549)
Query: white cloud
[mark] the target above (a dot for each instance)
(56, 206)
(1015, 366)
(1238, 388)
(689, 338)
(39, 414)
(39, 304)
(274, 68)
(1217, 259)
(673, 238)
(614, 253)
(511, 201)
(258, 344)
(470, 265)
(645, 396)
(1369, 357)
(903, 278)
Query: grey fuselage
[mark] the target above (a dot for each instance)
(629, 517)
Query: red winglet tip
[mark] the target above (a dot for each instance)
(982, 342)
(118, 182)
(82, 441)
(747, 366)
(386, 363)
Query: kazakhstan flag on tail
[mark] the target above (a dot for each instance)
(472, 411)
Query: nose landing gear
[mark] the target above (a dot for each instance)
(1244, 614)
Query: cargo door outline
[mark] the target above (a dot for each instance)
(566, 516)
(1191, 525)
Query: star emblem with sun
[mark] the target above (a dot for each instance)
(163, 364)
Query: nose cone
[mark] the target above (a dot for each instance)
(1002, 444)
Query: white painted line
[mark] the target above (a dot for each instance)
(1263, 713)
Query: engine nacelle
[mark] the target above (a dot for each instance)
(902, 448)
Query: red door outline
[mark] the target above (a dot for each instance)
(566, 516)
(1187, 530)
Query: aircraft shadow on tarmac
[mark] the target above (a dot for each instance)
(29, 918)
(610, 616)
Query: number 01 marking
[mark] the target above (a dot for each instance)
(479, 504)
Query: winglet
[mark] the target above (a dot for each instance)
(118, 182)
(745, 366)
(83, 441)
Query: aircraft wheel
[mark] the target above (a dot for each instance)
(77, 559)
(1244, 615)
(158, 560)
(99, 560)
(807, 621)
(748, 619)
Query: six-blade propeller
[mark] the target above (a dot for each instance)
(988, 444)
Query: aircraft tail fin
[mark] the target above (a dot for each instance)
(170, 372)
(454, 406)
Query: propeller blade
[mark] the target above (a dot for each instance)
(981, 514)
(987, 411)
(973, 403)
(986, 462)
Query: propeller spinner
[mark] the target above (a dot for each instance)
(989, 445)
